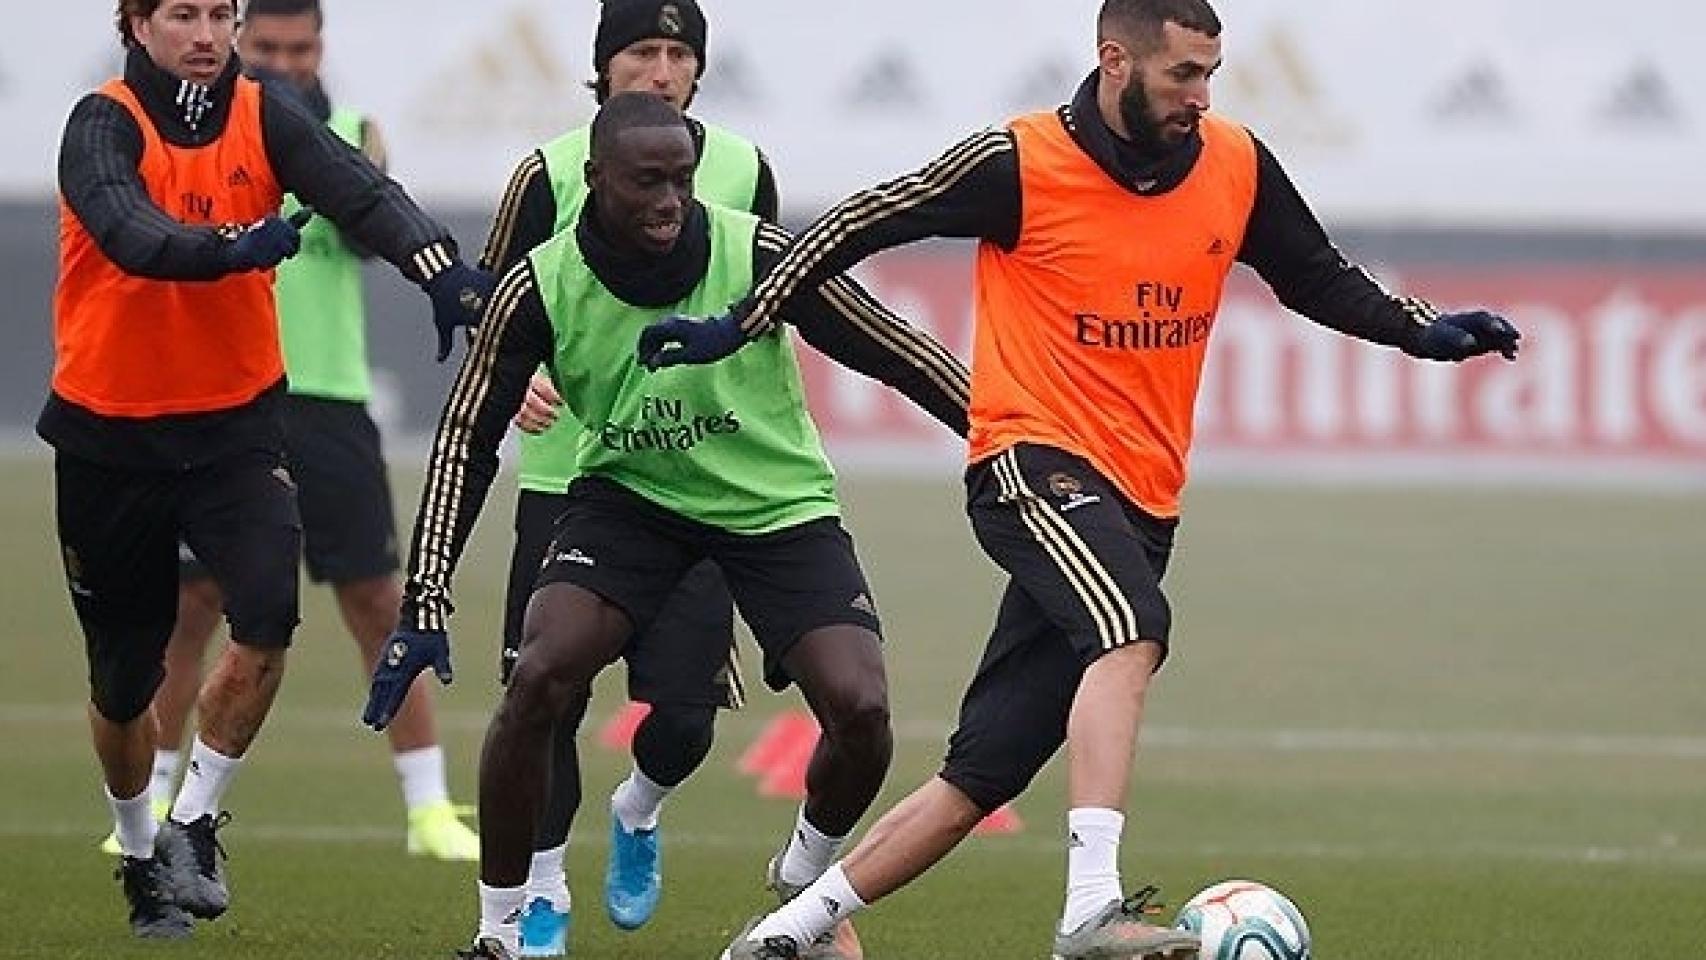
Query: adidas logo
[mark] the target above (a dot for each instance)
(1074, 841)
(574, 555)
(1277, 85)
(1216, 247)
(832, 905)
(864, 604)
(239, 178)
(500, 83)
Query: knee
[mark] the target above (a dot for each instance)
(266, 622)
(1131, 667)
(533, 693)
(200, 597)
(243, 668)
(543, 686)
(376, 599)
(122, 701)
(857, 716)
(693, 727)
(986, 782)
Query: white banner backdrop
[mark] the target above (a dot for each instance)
(1545, 113)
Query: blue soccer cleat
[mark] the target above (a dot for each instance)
(632, 881)
(544, 930)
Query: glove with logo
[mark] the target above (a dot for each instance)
(676, 340)
(459, 294)
(1459, 336)
(266, 243)
(406, 654)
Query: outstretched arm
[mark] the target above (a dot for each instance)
(848, 325)
(1287, 246)
(972, 190)
(344, 186)
(99, 180)
(513, 339)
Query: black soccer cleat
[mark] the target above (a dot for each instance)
(485, 948)
(152, 916)
(189, 855)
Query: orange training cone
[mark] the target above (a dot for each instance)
(618, 732)
(778, 741)
(1004, 819)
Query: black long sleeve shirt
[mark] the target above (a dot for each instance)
(99, 178)
(973, 190)
(527, 215)
(515, 338)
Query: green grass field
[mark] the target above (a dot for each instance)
(1449, 729)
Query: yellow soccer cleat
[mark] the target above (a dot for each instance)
(437, 831)
(109, 846)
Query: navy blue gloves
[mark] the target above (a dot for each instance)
(406, 654)
(266, 244)
(676, 340)
(1459, 336)
(459, 296)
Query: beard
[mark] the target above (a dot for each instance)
(1150, 133)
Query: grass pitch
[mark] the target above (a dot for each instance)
(1448, 728)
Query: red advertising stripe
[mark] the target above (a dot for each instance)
(1613, 369)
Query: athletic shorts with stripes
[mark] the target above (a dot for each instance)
(674, 663)
(1085, 568)
(635, 553)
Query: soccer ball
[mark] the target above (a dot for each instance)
(1245, 920)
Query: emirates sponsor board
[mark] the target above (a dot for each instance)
(1611, 384)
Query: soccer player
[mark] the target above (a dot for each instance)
(1107, 229)
(164, 412)
(722, 463)
(349, 535)
(640, 46)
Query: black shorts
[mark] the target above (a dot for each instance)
(349, 529)
(119, 532)
(676, 661)
(348, 525)
(1085, 568)
(633, 552)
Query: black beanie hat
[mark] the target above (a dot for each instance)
(623, 22)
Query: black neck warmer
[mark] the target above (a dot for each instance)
(186, 114)
(645, 279)
(1129, 165)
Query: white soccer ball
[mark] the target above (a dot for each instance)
(1245, 920)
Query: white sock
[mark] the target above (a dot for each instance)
(133, 820)
(500, 916)
(164, 776)
(637, 801)
(828, 901)
(421, 773)
(209, 773)
(546, 879)
(810, 852)
(1092, 863)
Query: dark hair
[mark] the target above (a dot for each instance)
(629, 111)
(1140, 21)
(145, 8)
(132, 8)
(285, 8)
